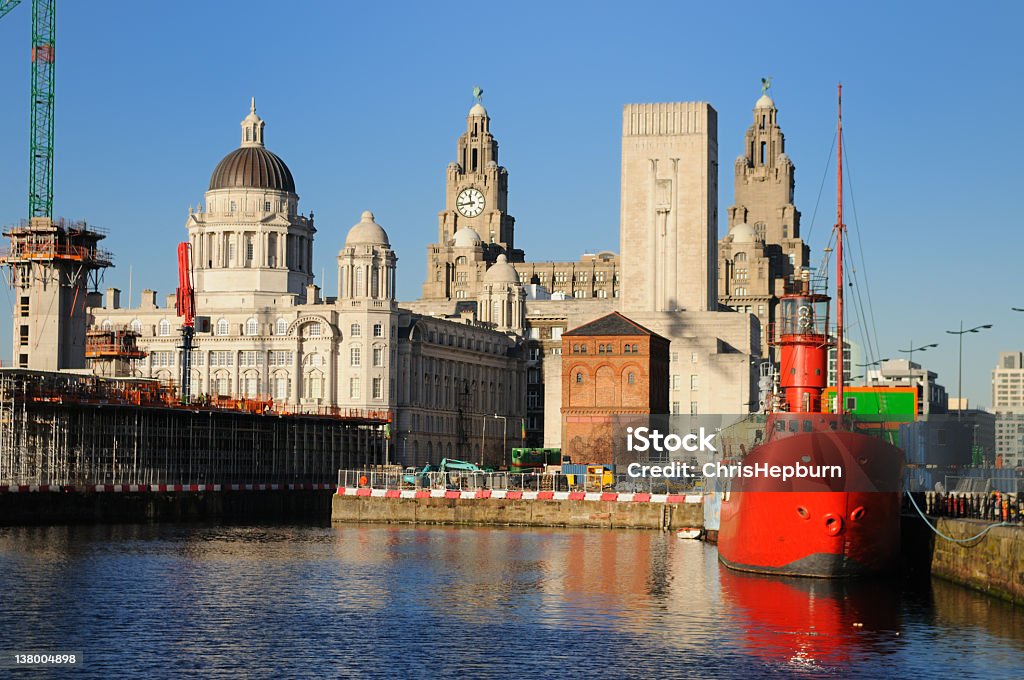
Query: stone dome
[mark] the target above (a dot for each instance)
(478, 110)
(742, 233)
(467, 237)
(501, 272)
(367, 232)
(252, 167)
(765, 102)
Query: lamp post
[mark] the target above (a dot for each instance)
(877, 362)
(504, 435)
(910, 364)
(960, 364)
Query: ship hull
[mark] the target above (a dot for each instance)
(826, 528)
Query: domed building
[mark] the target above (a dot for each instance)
(251, 240)
(265, 330)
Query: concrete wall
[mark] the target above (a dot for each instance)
(503, 511)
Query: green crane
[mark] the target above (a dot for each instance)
(44, 32)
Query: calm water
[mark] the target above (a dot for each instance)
(289, 601)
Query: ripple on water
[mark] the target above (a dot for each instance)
(405, 601)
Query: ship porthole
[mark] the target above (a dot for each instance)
(857, 514)
(833, 525)
(802, 511)
(862, 461)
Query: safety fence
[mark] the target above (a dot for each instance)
(995, 506)
(508, 481)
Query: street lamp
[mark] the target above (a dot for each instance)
(910, 364)
(504, 433)
(877, 362)
(960, 369)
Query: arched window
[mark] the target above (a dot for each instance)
(137, 326)
(107, 325)
(250, 384)
(252, 327)
(355, 331)
(280, 386)
(164, 328)
(741, 257)
(360, 290)
(579, 377)
(282, 327)
(222, 327)
(314, 385)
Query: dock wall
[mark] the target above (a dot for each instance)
(993, 564)
(615, 511)
(91, 507)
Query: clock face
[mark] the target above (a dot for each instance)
(470, 202)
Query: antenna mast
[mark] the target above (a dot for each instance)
(840, 405)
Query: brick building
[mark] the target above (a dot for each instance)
(610, 366)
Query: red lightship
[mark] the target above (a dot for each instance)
(825, 526)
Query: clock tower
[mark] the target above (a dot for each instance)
(476, 204)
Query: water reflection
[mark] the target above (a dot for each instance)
(403, 601)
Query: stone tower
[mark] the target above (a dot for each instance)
(476, 204)
(366, 264)
(763, 251)
(669, 207)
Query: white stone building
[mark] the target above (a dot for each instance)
(445, 380)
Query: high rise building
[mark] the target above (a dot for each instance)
(669, 218)
(1008, 405)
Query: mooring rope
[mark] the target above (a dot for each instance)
(950, 538)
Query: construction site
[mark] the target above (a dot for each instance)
(63, 429)
(67, 422)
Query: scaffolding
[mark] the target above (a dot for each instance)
(69, 429)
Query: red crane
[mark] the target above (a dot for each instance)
(186, 306)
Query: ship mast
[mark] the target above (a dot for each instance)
(839, 263)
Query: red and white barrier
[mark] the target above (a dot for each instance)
(159, 488)
(606, 496)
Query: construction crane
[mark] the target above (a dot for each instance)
(186, 306)
(44, 33)
(7, 5)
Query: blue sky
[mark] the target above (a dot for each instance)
(365, 101)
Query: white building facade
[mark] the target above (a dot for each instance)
(444, 381)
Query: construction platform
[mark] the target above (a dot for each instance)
(67, 429)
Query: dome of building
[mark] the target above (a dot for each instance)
(252, 167)
(478, 110)
(743, 233)
(501, 272)
(765, 102)
(467, 237)
(367, 232)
